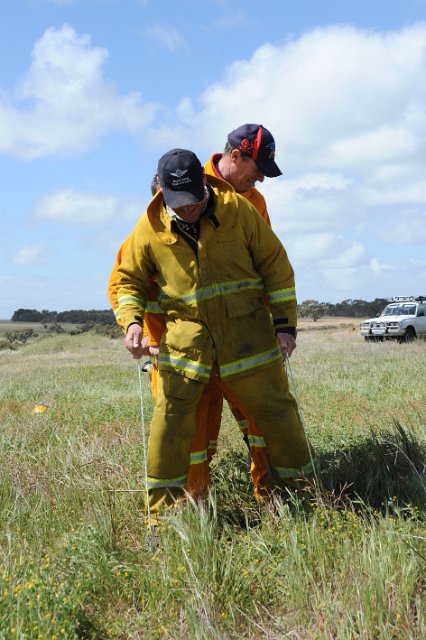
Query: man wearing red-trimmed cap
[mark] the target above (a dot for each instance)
(248, 157)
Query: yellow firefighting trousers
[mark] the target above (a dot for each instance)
(204, 445)
(281, 441)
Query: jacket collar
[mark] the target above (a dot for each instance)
(226, 199)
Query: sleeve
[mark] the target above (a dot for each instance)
(154, 320)
(113, 282)
(258, 201)
(135, 277)
(262, 209)
(271, 261)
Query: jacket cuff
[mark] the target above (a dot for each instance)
(134, 322)
(291, 330)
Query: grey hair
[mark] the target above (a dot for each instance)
(155, 184)
(229, 149)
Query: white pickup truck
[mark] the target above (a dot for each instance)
(403, 319)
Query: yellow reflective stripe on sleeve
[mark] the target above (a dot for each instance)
(164, 483)
(185, 364)
(126, 300)
(212, 444)
(198, 457)
(245, 364)
(282, 295)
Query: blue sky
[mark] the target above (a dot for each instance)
(93, 92)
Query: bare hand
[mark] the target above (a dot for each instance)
(287, 343)
(133, 341)
(153, 352)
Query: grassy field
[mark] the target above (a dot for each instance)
(74, 563)
(38, 327)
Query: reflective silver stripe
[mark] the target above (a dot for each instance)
(184, 364)
(282, 295)
(245, 364)
(153, 307)
(198, 457)
(127, 300)
(213, 291)
(256, 441)
(212, 444)
(164, 483)
(243, 424)
(285, 472)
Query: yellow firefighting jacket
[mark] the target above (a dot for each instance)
(212, 301)
(153, 320)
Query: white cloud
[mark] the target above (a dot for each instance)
(347, 109)
(336, 98)
(346, 257)
(328, 250)
(311, 247)
(379, 267)
(166, 37)
(407, 192)
(311, 201)
(77, 208)
(29, 254)
(339, 280)
(63, 103)
(330, 86)
(384, 143)
(407, 228)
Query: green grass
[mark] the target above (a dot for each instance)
(74, 563)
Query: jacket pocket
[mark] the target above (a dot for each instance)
(236, 307)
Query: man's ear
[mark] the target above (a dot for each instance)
(235, 155)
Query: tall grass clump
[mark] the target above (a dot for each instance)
(348, 562)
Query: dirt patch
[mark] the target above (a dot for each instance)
(328, 323)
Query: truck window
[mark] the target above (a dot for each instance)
(408, 310)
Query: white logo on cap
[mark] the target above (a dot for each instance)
(179, 173)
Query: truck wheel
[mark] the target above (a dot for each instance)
(409, 335)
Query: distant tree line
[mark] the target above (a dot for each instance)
(76, 316)
(345, 309)
(308, 308)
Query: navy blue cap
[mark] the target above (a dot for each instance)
(257, 142)
(181, 178)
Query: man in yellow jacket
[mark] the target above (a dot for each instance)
(247, 158)
(213, 259)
